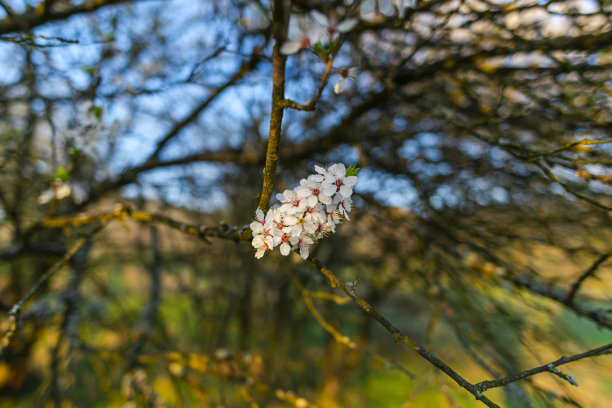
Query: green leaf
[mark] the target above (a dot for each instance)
(89, 69)
(334, 45)
(75, 152)
(352, 171)
(97, 111)
(320, 50)
(62, 174)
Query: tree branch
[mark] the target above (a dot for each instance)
(13, 314)
(310, 106)
(589, 272)
(398, 336)
(550, 367)
(280, 21)
(339, 337)
(245, 68)
(41, 15)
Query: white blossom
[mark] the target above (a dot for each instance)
(320, 176)
(303, 243)
(312, 191)
(337, 181)
(333, 218)
(343, 205)
(333, 26)
(302, 34)
(347, 73)
(323, 229)
(306, 213)
(262, 245)
(58, 191)
(282, 221)
(283, 239)
(262, 225)
(305, 224)
(292, 203)
(315, 214)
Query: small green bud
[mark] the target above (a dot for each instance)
(352, 171)
(89, 69)
(97, 111)
(62, 174)
(334, 45)
(319, 50)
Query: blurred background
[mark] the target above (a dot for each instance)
(480, 228)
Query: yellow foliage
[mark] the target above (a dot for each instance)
(5, 374)
(199, 362)
(486, 65)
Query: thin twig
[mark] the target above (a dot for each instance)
(398, 336)
(13, 314)
(550, 367)
(567, 147)
(310, 106)
(589, 272)
(123, 212)
(339, 337)
(570, 190)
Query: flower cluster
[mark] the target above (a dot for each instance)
(304, 34)
(322, 38)
(307, 213)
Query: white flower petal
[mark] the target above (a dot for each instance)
(286, 208)
(330, 179)
(350, 181)
(260, 253)
(302, 191)
(256, 226)
(329, 189)
(320, 170)
(325, 199)
(310, 227)
(296, 230)
(340, 170)
(319, 17)
(258, 241)
(316, 177)
(340, 86)
(290, 47)
(346, 191)
(347, 25)
(304, 252)
(259, 214)
(285, 248)
(312, 201)
(289, 220)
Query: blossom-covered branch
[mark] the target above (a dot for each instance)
(307, 213)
